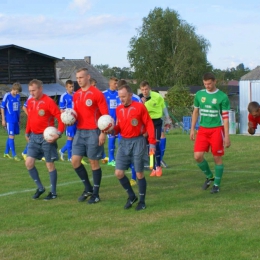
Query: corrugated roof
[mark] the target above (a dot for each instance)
(67, 68)
(252, 75)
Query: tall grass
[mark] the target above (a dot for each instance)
(181, 220)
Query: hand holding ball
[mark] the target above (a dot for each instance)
(106, 123)
(49, 132)
(68, 116)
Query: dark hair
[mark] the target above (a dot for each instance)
(208, 76)
(69, 82)
(113, 78)
(121, 82)
(92, 81)
(253, 106)
(127, 87)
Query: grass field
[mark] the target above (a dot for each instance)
(181, 220)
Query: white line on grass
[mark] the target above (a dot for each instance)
(106, 176)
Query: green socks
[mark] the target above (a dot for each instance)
(218, 174)
(204, 166)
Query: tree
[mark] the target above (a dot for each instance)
(167, 51)
(106, 71)
(180, 101)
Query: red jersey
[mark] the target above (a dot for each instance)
(254, 120)
(133, 121)
(89, 105)
(41, 114)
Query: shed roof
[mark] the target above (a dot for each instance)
(252, 75)
(28, 50)
(67, 68)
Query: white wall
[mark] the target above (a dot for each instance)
(248, 91)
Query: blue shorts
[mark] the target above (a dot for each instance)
(38, 148)
(71, 130)
(13, 128)
(131, 150)
(85, 143)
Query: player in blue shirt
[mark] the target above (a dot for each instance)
(111, 95)
(10, 109)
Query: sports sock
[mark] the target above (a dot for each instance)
(97, 176)
(64, 148)
(35, 176)
(127, 186)
(158, 154)
(69, 148)
(53, 180)
(83, 175)
(7, 147)
(218, 174)
(204, 166)
(25, 149)
(12, 146)
(162, 146)
(111, 148)
(142, 189)
(133, 172)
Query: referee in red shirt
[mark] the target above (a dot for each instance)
(41, 113)
(89, 103)
(133, 121)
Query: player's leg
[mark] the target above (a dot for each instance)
(24, 153)
(122, 163)
(94, 153)
(51, 155)
(13, 129)
(217, 149)
(133, 175)
(111, 150)
(157, 163)
(139, 148)
(200, 147)
(34, 152)
(163, 147)
(78, 151)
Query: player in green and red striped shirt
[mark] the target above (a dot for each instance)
(212, 105)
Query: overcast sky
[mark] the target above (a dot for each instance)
(102, 29)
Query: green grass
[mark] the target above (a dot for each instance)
(181, 220)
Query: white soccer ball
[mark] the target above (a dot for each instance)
(50, 130)
(106, 123)
(68, 116)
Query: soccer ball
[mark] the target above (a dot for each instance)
(50, 130)
(68, 116)
(106, 123)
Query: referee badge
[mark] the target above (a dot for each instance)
(134, 122)
(89, 102)
(41, 112)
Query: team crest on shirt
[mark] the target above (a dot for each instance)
(41, 112)
(134, 122)
(89, 102)
(214, 101)
(203, 99)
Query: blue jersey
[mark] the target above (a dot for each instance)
(66, 100)
(134, 98)
(11, 105)
(111, 99)
(25, 103)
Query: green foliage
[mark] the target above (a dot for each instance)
(223, 76)
(180, 101)
(167, 51)
(120, 73)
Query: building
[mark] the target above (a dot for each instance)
(18, 64)
(66, 69)
(249, 89)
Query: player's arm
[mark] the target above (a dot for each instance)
(251, 129)
(227, 142)
(194, 119)
(3, 117)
